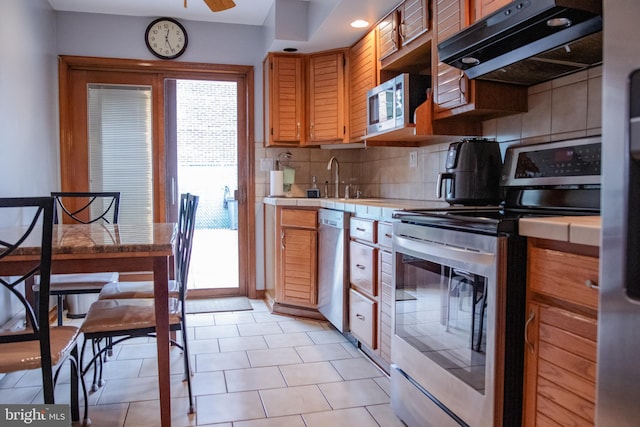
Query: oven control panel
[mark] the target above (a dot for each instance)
(569, 162)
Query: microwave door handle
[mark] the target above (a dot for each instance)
(442, 176)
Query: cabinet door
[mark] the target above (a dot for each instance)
(486, 7)
(451, 86)
(363, 318)
(560, 367)
(362, 271)
(284, 91)
(326, 97)
(388, 35)
(413, 20)
(363, 76)
(299, 266)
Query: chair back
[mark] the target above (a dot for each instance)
(86, 207)
(186, 231)
(34, 238)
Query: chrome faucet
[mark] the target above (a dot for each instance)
(337, 176)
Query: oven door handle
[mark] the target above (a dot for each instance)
(417, 246)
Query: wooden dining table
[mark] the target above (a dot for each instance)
(88, 248)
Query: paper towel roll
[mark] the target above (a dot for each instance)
(276, 180)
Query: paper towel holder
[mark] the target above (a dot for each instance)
(280, 162)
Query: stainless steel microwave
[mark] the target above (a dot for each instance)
(392, 104)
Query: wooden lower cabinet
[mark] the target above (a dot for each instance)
(291, 246)
(560, 335)
(299, 267)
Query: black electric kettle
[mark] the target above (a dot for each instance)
(473, 169)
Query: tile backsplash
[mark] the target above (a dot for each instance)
(567, 107)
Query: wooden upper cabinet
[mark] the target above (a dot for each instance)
(454, 93)
(401, 27)
(326, 97)
(451, 86)
(283, 99)
(363, 76)
(388, 36)
(486, 7)
(413, 18)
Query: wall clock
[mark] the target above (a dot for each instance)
(166, 38)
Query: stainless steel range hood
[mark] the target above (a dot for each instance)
(529, 41)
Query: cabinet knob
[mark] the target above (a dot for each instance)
(591, 284)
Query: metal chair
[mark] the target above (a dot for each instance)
(118, 319)
(84, 208)
(29, 342)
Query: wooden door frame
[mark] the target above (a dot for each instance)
(67, 65)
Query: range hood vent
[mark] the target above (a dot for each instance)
(529, 41)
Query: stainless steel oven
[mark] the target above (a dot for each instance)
(449, 335)
(458, 345)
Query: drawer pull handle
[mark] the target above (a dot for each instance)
(388, 236)
(360, 229)
(591, 284)
(360, 317)
(360, 266)
(532, 316)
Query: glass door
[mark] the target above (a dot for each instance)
(202, 136)
(153, 134)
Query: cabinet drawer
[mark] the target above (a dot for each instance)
(385, 234)
(363, 229)
(299, 218)
(362, 318)
(362, 267)
(563, 275)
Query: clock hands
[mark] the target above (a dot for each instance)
(166, 40)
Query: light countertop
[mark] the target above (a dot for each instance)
(583, 230)
(368, 208)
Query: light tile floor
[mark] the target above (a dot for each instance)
(252, 369)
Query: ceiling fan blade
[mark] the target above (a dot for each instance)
(219, 5)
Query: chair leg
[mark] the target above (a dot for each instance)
(75, 411)
(60, 308)
(47, 383)
(187, 365)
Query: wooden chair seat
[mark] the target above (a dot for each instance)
(82, 283)
(134, 314)
(126, 290)
(18, 356)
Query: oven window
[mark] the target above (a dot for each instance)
(441, 311)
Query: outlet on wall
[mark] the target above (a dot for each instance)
(267, 164)
(413, 159)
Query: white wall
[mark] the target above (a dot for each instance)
(29, 100)
(115, 36)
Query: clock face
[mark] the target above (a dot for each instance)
(166, 38)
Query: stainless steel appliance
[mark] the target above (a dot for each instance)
(459, 275)
(473, 173)
(618, 379)
(528, 41)
(333, 281)
(392, 104)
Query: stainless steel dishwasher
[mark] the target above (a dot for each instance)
(333, 267)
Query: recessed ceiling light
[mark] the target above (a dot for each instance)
(359, 23)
